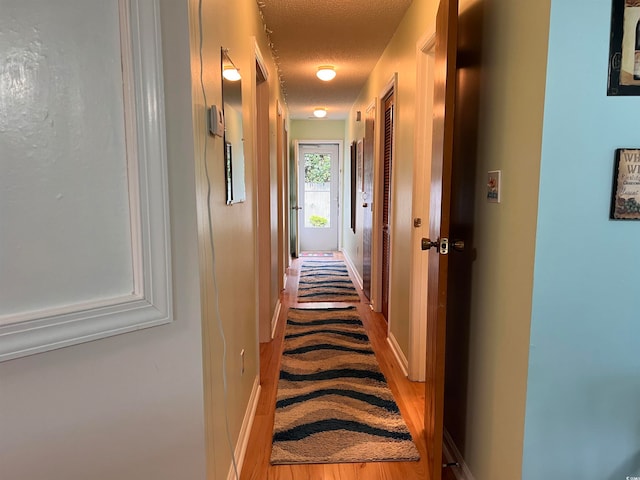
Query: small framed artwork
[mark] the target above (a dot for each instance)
(625, 201)
(228, 171)
(353, 186)
(624, 48)
(494, 178)
(360, 165)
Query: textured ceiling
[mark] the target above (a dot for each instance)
(348, 34)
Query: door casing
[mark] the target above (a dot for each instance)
(420, 210)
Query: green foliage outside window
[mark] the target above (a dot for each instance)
(317, 168)
(318, 221)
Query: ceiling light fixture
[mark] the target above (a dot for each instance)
(326, 73)
(231, 73)
(320, 112)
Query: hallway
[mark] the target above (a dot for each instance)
(409, 397)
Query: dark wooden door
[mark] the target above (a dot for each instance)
(387, 162)
(439, 223)
(461, 221)
(367, 198)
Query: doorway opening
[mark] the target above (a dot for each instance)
(318, 196)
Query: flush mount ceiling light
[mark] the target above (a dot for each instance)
(320, 112)
(231, 73)
(326, 73)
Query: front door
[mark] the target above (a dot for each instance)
(444, 97)
(318, 167)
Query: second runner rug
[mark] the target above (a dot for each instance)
(326, 281)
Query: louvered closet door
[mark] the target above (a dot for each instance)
(386, 201)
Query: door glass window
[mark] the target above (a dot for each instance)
(317, 190)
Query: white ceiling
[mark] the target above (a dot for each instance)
(349, 34)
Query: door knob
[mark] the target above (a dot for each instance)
(365, 205)
(458, 245)
(427, 244)
(442, 246)
(296, 208)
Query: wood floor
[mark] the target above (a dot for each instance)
(408, 395)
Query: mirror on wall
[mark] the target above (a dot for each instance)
(233, 134)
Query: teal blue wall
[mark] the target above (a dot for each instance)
(583, 393)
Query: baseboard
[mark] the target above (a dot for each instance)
(245, 430)
(398, 353)
(274, 319)
(353, 268)
(451, 454)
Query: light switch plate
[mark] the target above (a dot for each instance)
(494, 184)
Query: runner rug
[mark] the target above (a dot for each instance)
(333, 403)
(316, 254)
(326, 281)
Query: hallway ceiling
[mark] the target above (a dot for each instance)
(348, 34)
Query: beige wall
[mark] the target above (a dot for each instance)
(512, 101)
(317, 130)
(130, 406)
(400, 57)
(232, 26)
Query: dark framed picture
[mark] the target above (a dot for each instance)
(353, 186)
(625, 201)
(228, 171)
(360, 165)
(624, 48)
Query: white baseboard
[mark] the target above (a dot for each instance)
(353, 268)
(245, 430)
(274, 319)
(398, 353)
(452, 455)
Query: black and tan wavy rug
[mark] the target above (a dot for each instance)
(333, 402)
(326, 281)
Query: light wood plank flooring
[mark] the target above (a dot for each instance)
(409, 396)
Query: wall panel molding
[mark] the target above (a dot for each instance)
(150, 302)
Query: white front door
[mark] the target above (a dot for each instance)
(318, 167)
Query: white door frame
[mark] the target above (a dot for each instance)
(261, 199)
(295, 218)
(421, 187)
(340, 143)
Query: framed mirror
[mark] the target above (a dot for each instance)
(233, 132)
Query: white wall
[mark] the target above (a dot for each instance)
(64, 227)
(130, 406)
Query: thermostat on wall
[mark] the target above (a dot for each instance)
(216, 121)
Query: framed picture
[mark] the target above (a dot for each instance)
(494, 180)
(353, 186)
(360, 165)
(625, 202)
(624, 48)
(228, 171)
